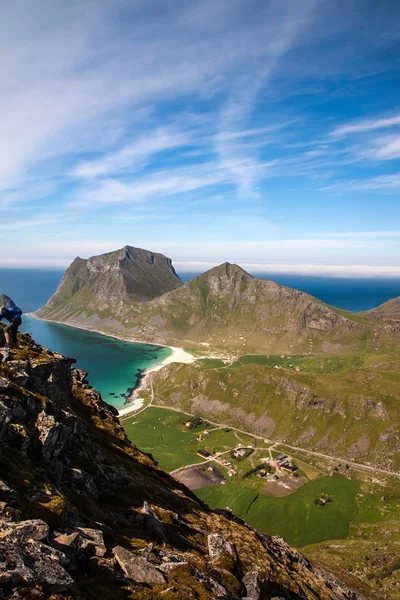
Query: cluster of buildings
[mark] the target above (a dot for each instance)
(283, 461)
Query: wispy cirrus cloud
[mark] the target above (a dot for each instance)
(365, 125)
(239, 118)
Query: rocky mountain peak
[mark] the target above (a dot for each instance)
(111, 282)
(85, 514)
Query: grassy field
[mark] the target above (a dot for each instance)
(163, 433)
(343, 405)
(372, 549)
(296, 517)
(311, 364)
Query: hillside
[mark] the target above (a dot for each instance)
(85, 514)
(388, 312)
(344, 406)
(114, 279)
(224, 308)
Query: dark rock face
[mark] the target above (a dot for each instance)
(114, 279)
(84, 514)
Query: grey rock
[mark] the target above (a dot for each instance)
(7, 494)
(154, 525)
(32, 564)
(34, 529)
(218, 545)
(52, 434)
(48, 567)
(92, 541)
(168, 566)
(4, 353)
(67, 543)
(4, 384)
(137, 568)
(53, 379)
(84, 481)
(250, 581)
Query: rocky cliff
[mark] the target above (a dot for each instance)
(222, 308)
(85, 514)
(105, 285)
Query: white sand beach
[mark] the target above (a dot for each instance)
(135, 403)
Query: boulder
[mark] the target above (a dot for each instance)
(52, 378)
(137, 568)
(84, 482)
(32, 564)
(67, 543)
(218, 545)
(33, 529)
(52, 434)
(92, 541)
(250, 582)
(153, 523)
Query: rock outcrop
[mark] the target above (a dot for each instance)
(85, 514)
(108, 284)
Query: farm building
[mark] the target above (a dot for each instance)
(204, 454)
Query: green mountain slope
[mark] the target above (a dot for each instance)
(345, 406)
(388, 312)
(222, 308)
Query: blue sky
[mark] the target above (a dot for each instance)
(260, 132)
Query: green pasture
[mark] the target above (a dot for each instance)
(295, 517)
(162, 433)
(311, 364)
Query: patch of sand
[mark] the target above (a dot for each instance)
(282, 487)
(133, 407)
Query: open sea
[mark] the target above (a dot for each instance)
(114, 366)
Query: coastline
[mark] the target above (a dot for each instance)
(177, 355)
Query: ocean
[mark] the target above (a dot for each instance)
(114, 366)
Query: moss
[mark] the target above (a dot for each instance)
(53, 511)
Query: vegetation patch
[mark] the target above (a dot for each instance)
(297, 518)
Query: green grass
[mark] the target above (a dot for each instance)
(162, 433)
(295, 517)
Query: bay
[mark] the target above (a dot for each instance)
(114, 366)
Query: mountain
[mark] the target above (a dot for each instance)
(388, 312)
(115, 279)
(84, 514)
(222, 308)
(228, 308)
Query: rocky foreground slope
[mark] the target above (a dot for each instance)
(224, 308)
(85, 514)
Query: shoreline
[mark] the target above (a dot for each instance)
(177, 355)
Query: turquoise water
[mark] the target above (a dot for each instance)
(113, 366)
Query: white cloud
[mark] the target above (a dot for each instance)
(383, 148)
(307, 269)
(134, 154)
(365, 125)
